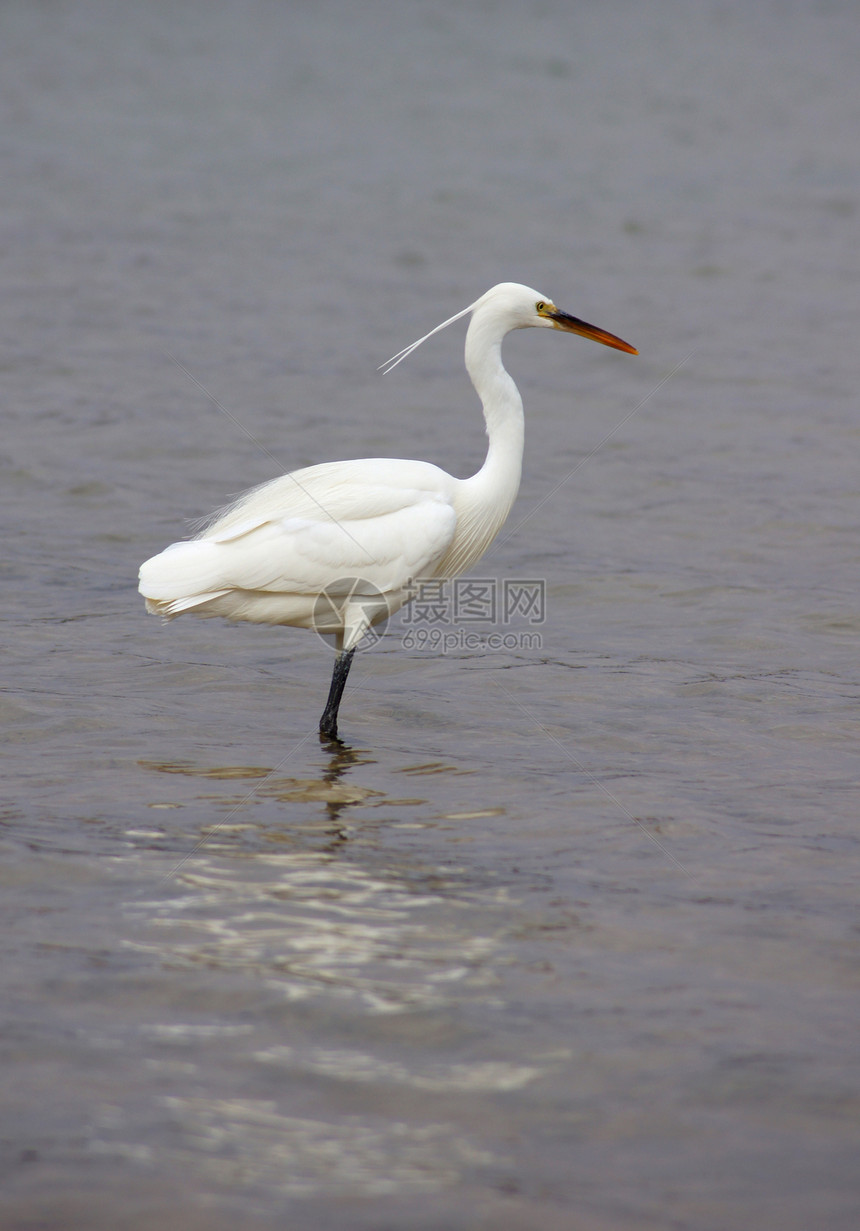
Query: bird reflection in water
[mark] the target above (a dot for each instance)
(341, 758)
(330, 789)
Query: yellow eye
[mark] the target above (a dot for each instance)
(540, 305)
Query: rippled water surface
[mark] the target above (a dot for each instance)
(566, 933)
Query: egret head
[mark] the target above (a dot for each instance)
(525, 308)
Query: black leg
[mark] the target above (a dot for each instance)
(328, 722)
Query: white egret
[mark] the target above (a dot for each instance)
(360, 532)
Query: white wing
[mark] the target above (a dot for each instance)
(269, 555)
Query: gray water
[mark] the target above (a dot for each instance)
(566, 934)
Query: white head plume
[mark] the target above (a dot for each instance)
(392, 363)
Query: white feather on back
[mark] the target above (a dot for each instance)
(280, 540)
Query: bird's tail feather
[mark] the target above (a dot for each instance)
(182, 576)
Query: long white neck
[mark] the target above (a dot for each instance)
(498, 480)
(484, 500)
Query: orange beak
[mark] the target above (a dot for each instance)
(572, 324)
